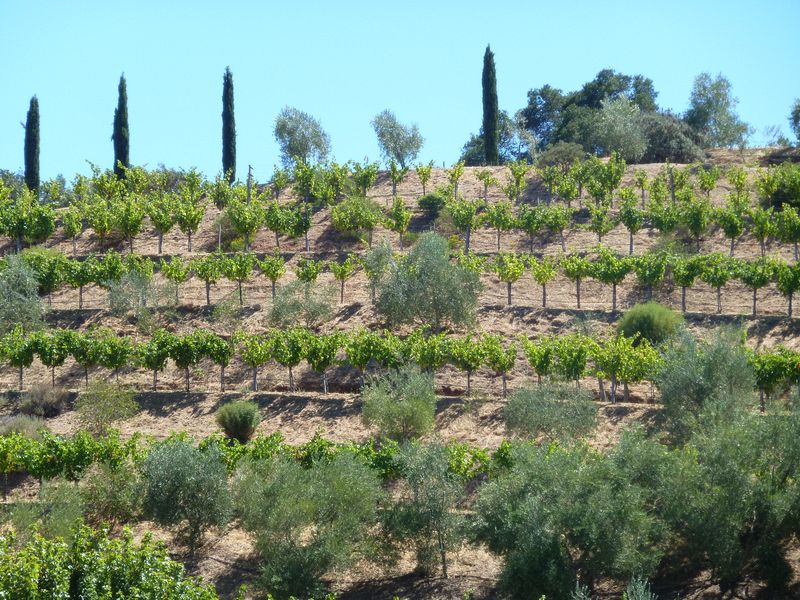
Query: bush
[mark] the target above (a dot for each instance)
(43, 401)
(302, 302)
(104, 403)
(186, 488)
(651, 321)
(696, 375)
(56, 513)
(558, 411)
(30, 427)
(307, 522)
(561, 154)
(113, 494)
(239, 420)
(424, 514)
(94, 565)
(401, 404)
(19, 296)
(133, 294)
(432, 203)
(670, 139)
(560, 512)
(427, 288)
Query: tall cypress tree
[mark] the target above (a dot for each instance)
(32, 146)
(490, 111)
(121, 134)
(228, 127)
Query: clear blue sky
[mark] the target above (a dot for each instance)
(344, 62)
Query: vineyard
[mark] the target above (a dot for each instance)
(189, 295)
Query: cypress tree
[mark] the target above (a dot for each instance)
(32, 146)
(228, 128)
(490, 111)
(121, 134)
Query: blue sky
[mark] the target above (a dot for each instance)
(344, 62)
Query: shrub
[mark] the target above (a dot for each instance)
(56, 513)
(94, 565)
(651, 321)
(307, 522)
(133, 294)
(19, 296)
(104, 403)
(427, 288)
(302, 302)
(400, 404)
(432, 203)
(113, 494)
(186, 488)
(425, 514)
(558, 411)
(30, 427)
(239, 420)
(43, 401)
(698, 374)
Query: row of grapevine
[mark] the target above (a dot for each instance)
(568, 357)
(52, 455)
(53, 270)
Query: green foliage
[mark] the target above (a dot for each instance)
(342, 271)
(32, 145)
(302, 302)
(401, 405)
(112, 493)
(425, 514)
(24, 425)
(432, 203)
(306, 522)
(103, 403)
(398, 218)
(397, 142)
(556, 411)
(300, 137)
(228, 128)
(426, 288)
(93, 565)
(650, 321)
(239, 419)
(57, 513)
(711, 112)
(187, 489)
(121, 134)
(307, 269)
(364, 175)
(356, 214)
(19, 298)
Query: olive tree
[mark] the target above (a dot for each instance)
(396, 141)
(300, 137)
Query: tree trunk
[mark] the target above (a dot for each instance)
(733, 242)
(155, 380)
(187, 380)
(80, 296)
(291, 380)
(469, 382)
(254, 384)
(719, 300)
(755, 294)
(578, 292)
(630, 243)
(308, 244)
(219, 237)
(20, 377)
(790, 304)
(241, 297)
(762, 405)
(613, 297)
(277, 240)
(394, 189)
(442, 553)
(601, 387)
(466, 241)
(130, 245)
(795, 251)
(160, 241)
(369, 239)
(325, 382)
(498, 240)
(177, 297)
(53, 376)
(86, 376)
(341, 292)
(503, 377)
(763, 245)
(75, 247)
(563, 243)
(613, 389)
(401, 241)
(246, 242)
(626, 392)
(190, 241)
(208, 293)
(642, 197)
(508, 284)
(683, 299)
(222, 378)
(19, 244)
(544, 296)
